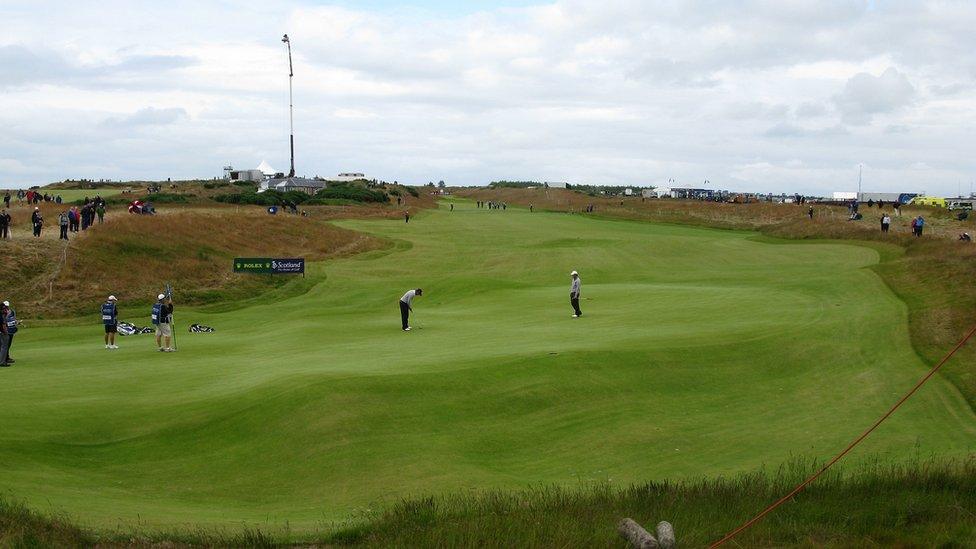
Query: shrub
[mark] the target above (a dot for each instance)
(267, 198)
(345, 191)
(413, 192)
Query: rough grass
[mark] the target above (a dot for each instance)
(933, 275)
(917, 504)
(920, 504)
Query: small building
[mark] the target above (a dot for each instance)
(691, 193)
(347, 177)
(628, 192)
(254, 175)
(557, 185)
(901, 198)
(285, 184)
(844, 195)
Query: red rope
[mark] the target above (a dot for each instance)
(850, 447)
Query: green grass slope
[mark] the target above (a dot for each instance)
(701, 352)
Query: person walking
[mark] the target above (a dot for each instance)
(100, 210)
(6, 199)
(406, 307)
(37, 220)
(63, 224)
(110, 318)
(4, 344)
(162, 317)
(885, 222)
(4, 225)
(9, 319)
(574, 294)
(531, 208)
(919, 225)
(810, 212)
(406, 217)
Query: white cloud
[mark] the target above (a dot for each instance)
(866, 95)
(752, 95)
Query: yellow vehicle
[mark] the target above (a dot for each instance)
(929, 201)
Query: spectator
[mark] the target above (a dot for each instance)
(885, 222)
(63, 223)
(37, 220)
(4, 225)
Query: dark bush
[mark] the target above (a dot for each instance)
(267, 198)
(345, 191)
(413, 192)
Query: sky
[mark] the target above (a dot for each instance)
(749, 95)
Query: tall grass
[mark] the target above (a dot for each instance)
(915, 504)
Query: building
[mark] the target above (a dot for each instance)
(243, 175)
(844, 195)
(557, 185)
(257, 175)
(347, 177)
(691, 193)
(901, 198)
(285, 184)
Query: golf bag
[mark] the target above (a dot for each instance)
(200, 329)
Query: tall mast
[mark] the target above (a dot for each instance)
(291, 107)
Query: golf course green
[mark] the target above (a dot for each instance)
(700, 353)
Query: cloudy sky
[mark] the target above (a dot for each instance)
(750, 95)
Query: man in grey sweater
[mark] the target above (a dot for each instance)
(406, 306)
(574, 294)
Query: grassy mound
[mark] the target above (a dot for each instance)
(134, 256)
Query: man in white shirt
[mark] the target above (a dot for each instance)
(406, 306)
(574, 294)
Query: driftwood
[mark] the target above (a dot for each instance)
(665, 535)
(636, 535)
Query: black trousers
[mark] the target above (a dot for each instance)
(64, 233)
(404, 314)
(10, 343)
(4, 232)
(574, 301)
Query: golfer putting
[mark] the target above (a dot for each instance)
(574, 294)
(406, 307)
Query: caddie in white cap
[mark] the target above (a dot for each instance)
(574, 294)
(162, 318)
(110, 318)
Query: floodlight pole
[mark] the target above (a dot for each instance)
(291, 107)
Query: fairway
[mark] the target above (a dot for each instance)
(700, 352)
(70, 195)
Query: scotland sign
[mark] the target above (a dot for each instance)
(288, 266)
(267, 265)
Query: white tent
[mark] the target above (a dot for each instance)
(266, 168)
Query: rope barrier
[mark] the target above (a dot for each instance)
(850, 446)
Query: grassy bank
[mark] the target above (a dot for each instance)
(917, 504)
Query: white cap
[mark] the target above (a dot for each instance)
(6, 303)
(36, 208)
(574, 273)
(161, 296)
(112, 298)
